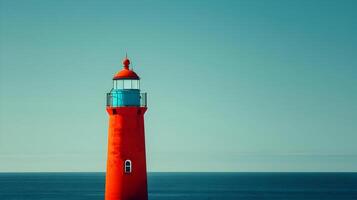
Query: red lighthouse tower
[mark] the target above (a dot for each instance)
(126, 177)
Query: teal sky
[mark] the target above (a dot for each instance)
(232, 85)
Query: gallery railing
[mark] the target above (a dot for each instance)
(122, 100)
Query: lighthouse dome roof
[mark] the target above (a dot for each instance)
(126, 73)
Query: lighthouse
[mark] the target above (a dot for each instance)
(126, 176)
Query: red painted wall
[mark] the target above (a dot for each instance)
(126, 141)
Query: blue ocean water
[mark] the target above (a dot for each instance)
(185, 186)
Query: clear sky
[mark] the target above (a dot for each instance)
(232, 85)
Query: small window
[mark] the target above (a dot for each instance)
(135, 84)
(127, 84)
(127, 166)
(118, 84)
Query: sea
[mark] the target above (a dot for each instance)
(185, 186)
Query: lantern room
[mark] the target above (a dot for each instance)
(126, 88)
